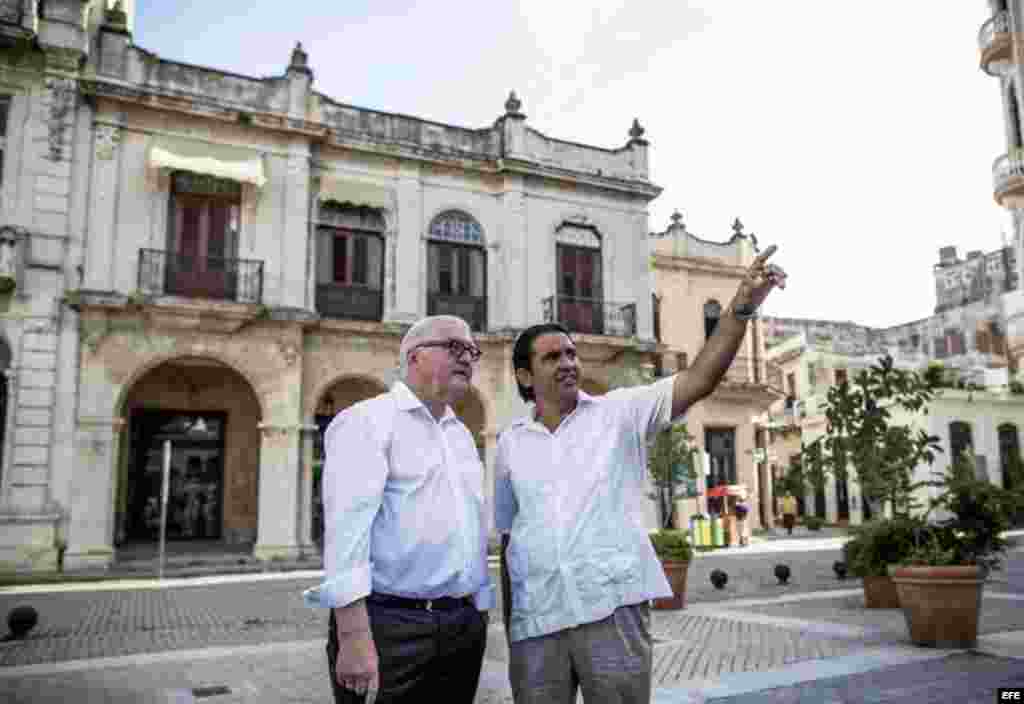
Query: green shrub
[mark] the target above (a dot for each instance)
(879, 543)
(671, 545)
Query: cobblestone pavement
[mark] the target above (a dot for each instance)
(260, 642)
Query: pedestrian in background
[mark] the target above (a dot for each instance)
(788, 511)
(405, 538)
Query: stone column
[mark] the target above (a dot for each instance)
(407, 274)
(277, 532)
(90, 535)
(519, 305)
(307, 543)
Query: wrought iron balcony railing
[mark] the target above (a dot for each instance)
(472, 309)
(591, 316)
(1008, 173)
(169, 273)
(347, 301)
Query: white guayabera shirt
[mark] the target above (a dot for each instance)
(571, 502)
(403, 505)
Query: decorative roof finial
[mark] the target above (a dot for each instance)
(636, 132)
(116, 17)
(300, 59)
(513, 105)
(737, 228)
(677, 221)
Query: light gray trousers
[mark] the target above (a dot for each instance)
(609, 660)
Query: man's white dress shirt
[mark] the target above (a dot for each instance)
(403, 505)
(572, 503)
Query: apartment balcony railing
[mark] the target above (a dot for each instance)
(169, 273)
(1008, 178)
(591, 316)
(472, 309)
(347, 301)
(995, 43)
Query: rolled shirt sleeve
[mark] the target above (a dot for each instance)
(648, 407)
(505, 504)
(355, 471)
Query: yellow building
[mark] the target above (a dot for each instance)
(694, 280)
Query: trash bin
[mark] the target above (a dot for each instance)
(705, 531)
(717, 532)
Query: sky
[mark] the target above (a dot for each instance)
(859, 141)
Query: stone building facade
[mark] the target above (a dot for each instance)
(694, 281)
(1001, 49)
(210, 265)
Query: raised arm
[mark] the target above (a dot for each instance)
(719, 351)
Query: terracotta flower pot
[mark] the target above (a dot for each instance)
(880, 593)
(675, 572)
(942, 605)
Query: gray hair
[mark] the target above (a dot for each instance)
(422, 331)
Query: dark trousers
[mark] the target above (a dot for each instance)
(424, 656)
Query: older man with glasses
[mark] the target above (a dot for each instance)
(405, 536)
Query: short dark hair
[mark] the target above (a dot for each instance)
(523, 351)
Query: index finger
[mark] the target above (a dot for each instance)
(763, 256)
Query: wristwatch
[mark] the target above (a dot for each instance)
(744, 311)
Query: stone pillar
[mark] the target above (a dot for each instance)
(407, 266)
(90, 532)
(518, 303)
(307, 544)
(277, 532)
(99, 259)
(767, 494)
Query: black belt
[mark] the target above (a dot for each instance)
(442, 603)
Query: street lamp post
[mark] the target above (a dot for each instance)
(164, 490)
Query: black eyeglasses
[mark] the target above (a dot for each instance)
(456, 348)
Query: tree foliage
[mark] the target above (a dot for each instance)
(671, 461)
(860, 432)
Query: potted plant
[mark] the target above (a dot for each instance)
(940, 582)
(872, 548)
(670, 462)
(674, 551)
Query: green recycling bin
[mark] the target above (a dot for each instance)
(717, 532)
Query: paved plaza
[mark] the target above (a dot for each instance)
(249, 638)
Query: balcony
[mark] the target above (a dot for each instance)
(1008, 179)
(591, 316)
(350, 302)
(172, 274)
(995, 43)
(472, 309)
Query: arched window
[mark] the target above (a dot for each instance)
(712, 312)
(350, 262)
(959, 439)
(457, 268)
(1009, 455)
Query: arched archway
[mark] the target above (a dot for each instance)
(339, 395)
(210, 414)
